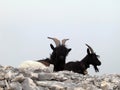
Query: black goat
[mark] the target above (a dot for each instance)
(81, 66)
(58, 56)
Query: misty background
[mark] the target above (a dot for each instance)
(26, 24)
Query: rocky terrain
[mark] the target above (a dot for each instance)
(20, 79)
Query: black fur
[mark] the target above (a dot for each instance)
(81, 66)
(57, 58)
(46, 61)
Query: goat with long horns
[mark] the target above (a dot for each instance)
(57, 42)
(81, 66)
(58, 56)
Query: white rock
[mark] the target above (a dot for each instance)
(58, 87)
(105, 85)
(45, 76)
(18, 78)
(28, 84)
(52, 85)
(2, 75)
(78, 88)
(9, 75)
(8, 68)
(16, 86)
(34, 76)
(2, 83)
(7, 85)
(50, 68)
(1, 88)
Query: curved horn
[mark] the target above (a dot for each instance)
(57, 42)
(92, 51)
(63, 41)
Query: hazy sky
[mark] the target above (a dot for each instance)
(26, 24)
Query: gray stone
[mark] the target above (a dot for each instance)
(43, 88)
(2, 83)
(58, 86)
(34, 76)
(16, 86)
(44, 83)
(50, 84)
(78, 88)
(60, 76)
(45, 76)
(2, 75)
(1, 88)
(7, 85)
(28, 84)
(19, 78)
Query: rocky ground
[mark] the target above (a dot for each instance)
(18, 79)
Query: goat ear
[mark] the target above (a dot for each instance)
(88, 51)
(69, 49)
(52, 47)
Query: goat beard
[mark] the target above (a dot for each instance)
(96, 68)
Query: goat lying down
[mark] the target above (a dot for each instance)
(34, 65)
(81, 66)
(57, 58)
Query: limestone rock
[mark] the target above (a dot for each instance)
(16, 86)
(25, 79)
(28, 84)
